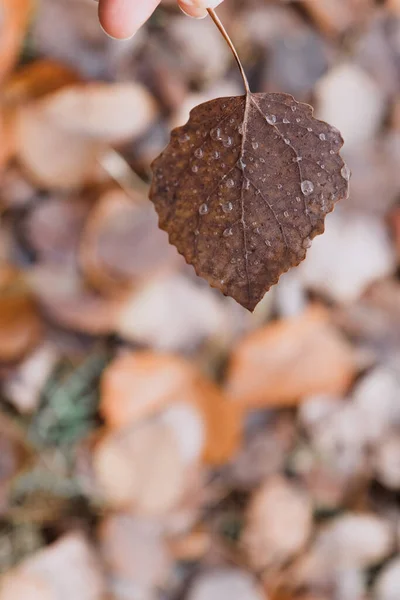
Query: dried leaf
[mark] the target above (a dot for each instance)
(59, 138)
(289, 360)
(20, 324)
(134, 552)
(66, 569)
(234, 584)
(244, 187)
(141, 468)
(278, 524)
(14, 19)
(122, 245)
(141, 384)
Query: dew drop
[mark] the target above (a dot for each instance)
(196, 232)
(298, 120)
(247, 185)
(279, 186)
(322, 137)
(227, 143)
(268, 243)
(231, 120)
(262, 160)
(345, 172)
(271, 119)
(227, 232)
(184, 138)
(195, 168)
(331, 152)
(227, 207)
(203, 210)
(216, 154)
(198, 153)
(286, 121)
(297, 159)
(254, 145)
(293, 108)
(233, 261)
(216, 133)
(286, 214)
(309, 128)
(286, 141)
(230, 183)
(307, 243)
(298, 199)
(307, 187)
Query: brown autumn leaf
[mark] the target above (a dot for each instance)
(244, 187)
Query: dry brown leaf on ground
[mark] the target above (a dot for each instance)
(30, 82)
(66, 569)
(287, 360)
(141, 384)
(136, 556)
(52, 228)
(14, 455)
(20, 324)
(121, 244)
(171, 312)
(221, 584)
(279, 521)
(387, 584)
(60, 138)
(15, 16)
(37, 79)
(141, 468)
(244, 187)
(333, 17)
(67, 301)
(24, 385)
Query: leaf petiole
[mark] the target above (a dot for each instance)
(228, 40)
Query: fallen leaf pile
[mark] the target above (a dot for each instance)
(158, 441)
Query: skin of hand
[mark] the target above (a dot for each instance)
(121, 19)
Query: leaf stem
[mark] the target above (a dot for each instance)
(228, 40)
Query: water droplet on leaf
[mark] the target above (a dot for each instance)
(307, 187)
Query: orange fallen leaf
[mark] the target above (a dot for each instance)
(20, 324)
(66, 300)
(138, 385)
(291, 359)
(134, 552)
(60, 138)
(15, 15)
(66, 569)
(122, 244)
(279, 523)
(37, 79)
(141, 468)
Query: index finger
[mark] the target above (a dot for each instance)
(122, 18)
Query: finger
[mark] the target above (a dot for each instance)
(122, 18)
(197, 8)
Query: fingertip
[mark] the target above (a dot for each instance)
(191, 10)
(197, 8)
(121, 19)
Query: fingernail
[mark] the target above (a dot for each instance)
(124, 39)
(193, 11)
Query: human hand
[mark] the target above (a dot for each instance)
(122, 18)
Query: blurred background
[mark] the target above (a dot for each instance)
(157, 441)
